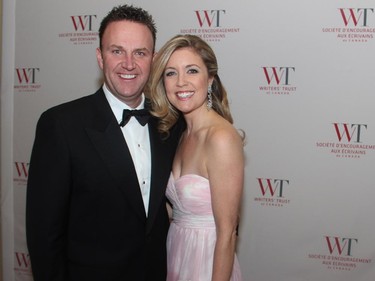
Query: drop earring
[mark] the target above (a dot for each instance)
(209, 97)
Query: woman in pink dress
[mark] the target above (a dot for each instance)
(206, 182)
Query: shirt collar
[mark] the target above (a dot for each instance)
(118, 106)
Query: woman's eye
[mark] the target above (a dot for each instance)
(169, 73)
(192, 71)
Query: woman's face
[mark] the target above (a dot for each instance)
(186, 80)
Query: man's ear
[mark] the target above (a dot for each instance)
(99, 57)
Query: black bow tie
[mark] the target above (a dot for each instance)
(142, 115)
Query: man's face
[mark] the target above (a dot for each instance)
(125, 58)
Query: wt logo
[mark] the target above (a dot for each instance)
(27, 75)
(357, 16)
(279, 74)
(83, 23)
(210, 18)
(22, 169)
(349, 131)
(23, 260)
(272, 185)
(343, 246)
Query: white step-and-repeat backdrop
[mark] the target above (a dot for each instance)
(301, 81)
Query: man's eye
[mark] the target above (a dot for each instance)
(116, 52)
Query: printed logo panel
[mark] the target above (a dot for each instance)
(348, 141)
(22, 264)
(278, 80)
(272, 192)
(83, 30)
(357, 25)
(27, 79)
(211, 25)
(340, 254)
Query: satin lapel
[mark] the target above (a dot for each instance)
(159, 174)
(110, 144)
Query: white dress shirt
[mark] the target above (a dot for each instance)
(138, 141)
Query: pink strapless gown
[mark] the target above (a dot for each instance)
(192, 234)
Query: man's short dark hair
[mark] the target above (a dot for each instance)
(130, 13)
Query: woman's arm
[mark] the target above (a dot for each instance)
(225, 166)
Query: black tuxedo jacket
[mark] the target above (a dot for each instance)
(85, 218)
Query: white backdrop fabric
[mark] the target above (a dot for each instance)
(300, 77)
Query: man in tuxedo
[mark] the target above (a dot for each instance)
(95, 205)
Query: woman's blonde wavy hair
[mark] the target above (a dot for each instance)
(161, 107)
